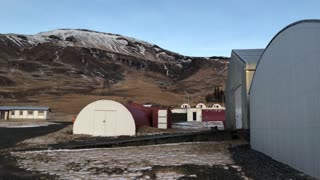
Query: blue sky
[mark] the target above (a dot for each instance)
(189, 27)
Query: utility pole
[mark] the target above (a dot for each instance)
(188, 97)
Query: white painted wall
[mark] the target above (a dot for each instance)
(104, 118)
(35, 114)
(178, 110)
(198, 114)
(162, 119)
(197, 110)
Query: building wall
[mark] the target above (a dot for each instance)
(89, 120)
(183, 110)
(285, 100)
(236, 79)
(36, 114)
(198, 114)
(213, 115)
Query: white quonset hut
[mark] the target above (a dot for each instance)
(285, 98)
(104, 118)
(240, 72)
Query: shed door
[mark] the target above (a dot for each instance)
(110, 124)
(104, 123)
(238, 106)
(162, 119)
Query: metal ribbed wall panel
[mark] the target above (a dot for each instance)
(240, 72)
(285, 98)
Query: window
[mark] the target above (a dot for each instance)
(20, 113)
(12, 113)
(41, 113)
(194, 116)
(30, 113)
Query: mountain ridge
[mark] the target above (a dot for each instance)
(81, 62)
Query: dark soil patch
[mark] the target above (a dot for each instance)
(261, 167)
(9, 170)
(4, 81)
(191, 171)
(11, 136)
(27, 66)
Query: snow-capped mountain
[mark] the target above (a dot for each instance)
(86, 58)
(92, 39)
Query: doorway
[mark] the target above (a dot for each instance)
(238, 108)
(105, 123)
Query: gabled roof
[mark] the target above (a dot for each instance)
(249, 56)
(8, 108)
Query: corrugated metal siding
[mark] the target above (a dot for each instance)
(249, 56)
(241, 69)
(236, 78)
(140, 116)
(285, 100)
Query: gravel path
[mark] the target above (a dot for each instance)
(261, 167)
(197, 160)
(141, 162)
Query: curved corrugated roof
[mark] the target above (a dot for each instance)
(281, 31)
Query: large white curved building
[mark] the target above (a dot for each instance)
(285, 98)
(109, 118)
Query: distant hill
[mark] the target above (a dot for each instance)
(68, 68)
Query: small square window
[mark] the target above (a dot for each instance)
(20, 113)
(12, 113)
(40, 113)
(30, 112)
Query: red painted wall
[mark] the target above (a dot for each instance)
(213, 115)
(146, 116)
(140, 117)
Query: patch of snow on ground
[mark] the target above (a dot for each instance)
(142, 49)
(187, 60)
(92, 39)
(124, 162)
(167, 70)
(123, 42)
(157, 49)
(179, 65)
(199, 125)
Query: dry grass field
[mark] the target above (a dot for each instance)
(67, 96)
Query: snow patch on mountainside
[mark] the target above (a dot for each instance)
(15, 40)
(90, 39)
